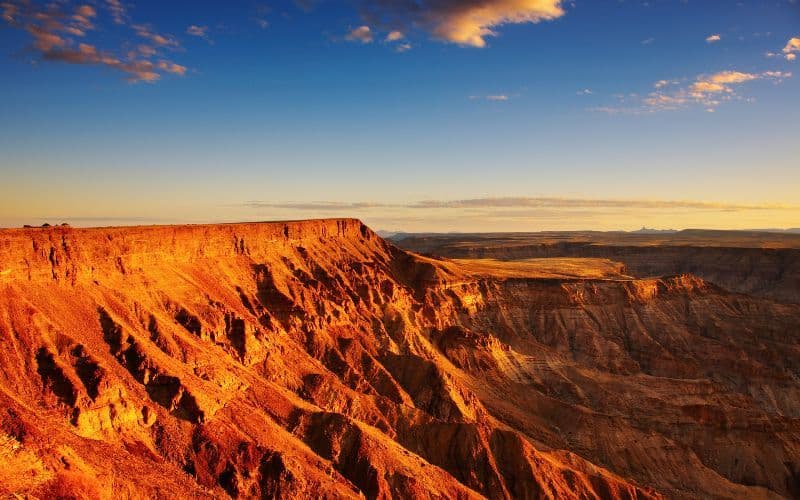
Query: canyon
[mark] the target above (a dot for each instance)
(317, 359)
(765, 264)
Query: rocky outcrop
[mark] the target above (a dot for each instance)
(733, 262)
(314, 358)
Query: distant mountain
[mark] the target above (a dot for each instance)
(645, 230)
(791, 230)
(401, 235)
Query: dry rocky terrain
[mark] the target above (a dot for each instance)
(315, 359)
(764, 264)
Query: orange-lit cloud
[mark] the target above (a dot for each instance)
(713, 38)
(726, 77)
(394, 36)
(138, 70)
(59, 34)
(10, 12)
(792, 46)
(464, 22)
(361, 34)
(147, 50)
(720, 82)
(158, 39)
(469, 23)
(706, 90)
(171, 67)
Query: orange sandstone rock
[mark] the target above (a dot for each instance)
(314, 358)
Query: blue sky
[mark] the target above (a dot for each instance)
(477, 115)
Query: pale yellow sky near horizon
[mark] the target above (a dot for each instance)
(471, 215)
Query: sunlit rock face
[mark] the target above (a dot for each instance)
(316, 359)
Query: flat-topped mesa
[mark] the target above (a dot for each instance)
(64, 252)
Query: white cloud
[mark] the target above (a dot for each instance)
(491, 97)
(665, 83)
(713, 38)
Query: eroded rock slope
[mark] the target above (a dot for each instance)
(314, 358)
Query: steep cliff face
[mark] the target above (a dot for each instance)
(670, 381)
(290, 359)
(772, 273)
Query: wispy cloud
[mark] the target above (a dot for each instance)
(170, 67)
(60, 33)
(491, 97)
(521, 202)
(263, 10)
(532, 213)
(200, 32)
(664, 83)
(713, 38)
(361, 34)
(146, 50)
(333, 206)
(709, 90)
(305, 5)
(118, 11)
(555, 202)
(464, 22)
(162, 40)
